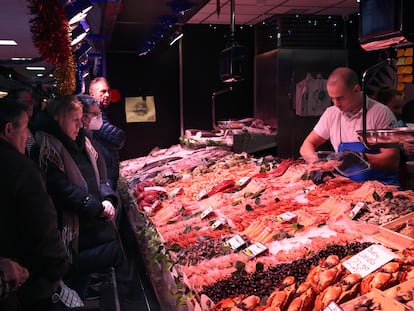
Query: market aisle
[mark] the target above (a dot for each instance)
(134, 287)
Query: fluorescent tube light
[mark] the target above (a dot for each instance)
(8, 42)
(35, 68)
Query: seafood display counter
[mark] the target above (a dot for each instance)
(225, 231)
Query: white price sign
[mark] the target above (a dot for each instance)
(206, 212)
(333, 307)
(235, 242)
(254, 250)
(369, 260)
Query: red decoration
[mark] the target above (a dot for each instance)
(50, 30)
(114, 96)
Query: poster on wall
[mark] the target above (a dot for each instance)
(311, 96)
(140, 109)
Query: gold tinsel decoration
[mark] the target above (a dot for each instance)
(65, 74)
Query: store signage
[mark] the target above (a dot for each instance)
(369, 260)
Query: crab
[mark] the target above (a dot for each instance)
(283, 294)
(303, 298)
(385, 277)
(344, 290)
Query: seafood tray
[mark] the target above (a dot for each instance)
(376, 296)
(389, 235)
(403, 293)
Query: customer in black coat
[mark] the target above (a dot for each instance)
(109, 137)
(77, 183)
(28, 222)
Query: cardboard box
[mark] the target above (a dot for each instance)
(387, 303)
(390, 237)
(394, 291)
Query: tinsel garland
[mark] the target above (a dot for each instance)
(65, 74)
(50, 30)
(50, 34)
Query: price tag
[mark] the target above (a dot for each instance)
(254, 250)
(156, 188)
(287, 217)
(369, 260)
(333, 307)
(357, 208)
(176, 192)
(218, 223)
(243, 181)
(235, 242)
(206, 212)
(203, 194)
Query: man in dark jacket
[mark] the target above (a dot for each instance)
(110, 139)
(28, 220)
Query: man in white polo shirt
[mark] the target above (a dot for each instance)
(340, 122)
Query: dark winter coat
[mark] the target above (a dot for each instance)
(77, 184)
(110, 139)
(28, 224)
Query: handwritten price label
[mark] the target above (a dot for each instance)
(369, 260)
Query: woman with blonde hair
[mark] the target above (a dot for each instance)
(77, 183)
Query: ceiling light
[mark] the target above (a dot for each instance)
(83, 48)
(176, 37)
(21, 58)
(35, 68)
(76, 10)
(3, 94)
(8, 42)
(78, 33)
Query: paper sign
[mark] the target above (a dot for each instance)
(369, 260)
(287, 216)
(235, 242)
(140, 109)
(176, 192)
(218, 223)
(206, 212)
(203, 194)
(254, 250)
(333, 307)
(243, 181)
(357, 208)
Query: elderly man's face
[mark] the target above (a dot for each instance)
(101, 92)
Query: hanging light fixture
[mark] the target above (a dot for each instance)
(78, 33)
(76, 10)
(82, 48)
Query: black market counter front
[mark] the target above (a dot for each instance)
(223, 230)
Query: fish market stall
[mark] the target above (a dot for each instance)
(225, 230)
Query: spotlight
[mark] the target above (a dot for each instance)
(78, 33)
(76, 10)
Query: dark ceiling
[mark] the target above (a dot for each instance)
(135, 26)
